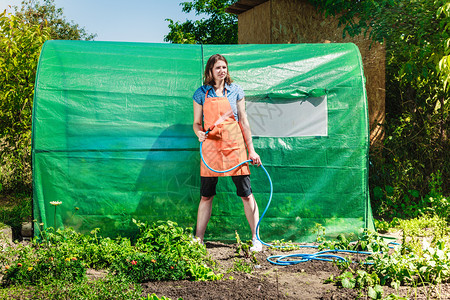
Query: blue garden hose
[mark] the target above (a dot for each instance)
(284, 260)
(268, 176)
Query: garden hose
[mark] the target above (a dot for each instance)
(290, 259)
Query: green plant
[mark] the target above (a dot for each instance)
(110, 287)
(96, 252)
(382, 226)
(15, 211)
(154, 297)
(163, 251)
(341, 243)
(320, 232)
(244, 249)
(283, 245)
(428, 265)
(435, 203)
(35, 271)
(219, 28)
(45, 13)
(20, 44)
(240, 265)
(166, 252)
(434, 227)
(153, 266)
(22, 35)
(200, 272)
(415, 262)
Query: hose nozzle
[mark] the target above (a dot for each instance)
(210, 128)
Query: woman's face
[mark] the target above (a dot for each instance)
(219, 71)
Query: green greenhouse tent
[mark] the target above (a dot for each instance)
(113, 140)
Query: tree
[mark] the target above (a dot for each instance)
(20, 44)
(48, 15)
(21, 37)
(444, 63)
(417, 39)
(219, 28)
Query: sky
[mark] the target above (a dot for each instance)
(120, 20)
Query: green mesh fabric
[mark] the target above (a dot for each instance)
(113, 140)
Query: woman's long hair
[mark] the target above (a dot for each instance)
(208, 78)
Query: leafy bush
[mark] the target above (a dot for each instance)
(392, 202)
(165, 252)
(97, 252)
(152, 267)
(111, 288)
(22, 35)
(44, 269)
(414, 262)
(20, 44)
(15, 211)
(428, 265)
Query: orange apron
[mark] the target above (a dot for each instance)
(224, 146)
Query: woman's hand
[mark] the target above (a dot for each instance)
(198, 119)
(201, 136)
(256, 160)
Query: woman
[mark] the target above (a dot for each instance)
(221, 103)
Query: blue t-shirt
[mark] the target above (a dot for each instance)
(234, 94)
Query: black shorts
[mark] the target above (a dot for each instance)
(242, 183)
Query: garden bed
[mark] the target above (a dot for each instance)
(165, 261)
(302, 281)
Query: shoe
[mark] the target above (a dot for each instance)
(197, 240)
(257, 246)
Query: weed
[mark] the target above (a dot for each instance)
(154, 297)
(244, 248)
(283, 245)
(240, 265)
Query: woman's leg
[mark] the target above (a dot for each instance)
(203, 216)
(251, 212)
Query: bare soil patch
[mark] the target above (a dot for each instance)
(269, 281)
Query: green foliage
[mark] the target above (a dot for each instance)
(167, 238)
(244, 249)
(368, 241)
(44, 269)
(429, 265)
(219, 28)
(444, 63)
(241, 265)
(434, 202)
(412, 205)
(283, 245)
(96, 252)
(15, 210)
(46, 14)
(154, 297)
(415, 262)
(199, 272)
(416, 37)
(21, 37)
(382, 226)
(142, 267)
(20, 44)
(111, 288)
(163, 251)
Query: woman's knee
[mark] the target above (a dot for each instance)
(207, 199)
(247, 198)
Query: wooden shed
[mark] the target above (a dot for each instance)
(298, 21)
